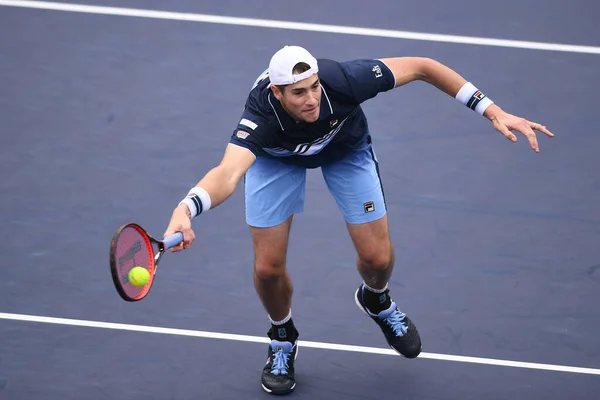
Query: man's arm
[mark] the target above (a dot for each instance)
(212, 190)
(408, 69)
(221, 181)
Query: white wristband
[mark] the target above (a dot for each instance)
(473, 98)
(197, 200)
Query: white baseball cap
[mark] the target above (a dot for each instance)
(283, 62)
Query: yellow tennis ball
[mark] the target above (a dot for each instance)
(139, 276)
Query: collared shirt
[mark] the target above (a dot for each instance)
(267, 130)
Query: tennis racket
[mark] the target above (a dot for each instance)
(132, 246)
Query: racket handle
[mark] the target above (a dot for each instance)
(173, 240)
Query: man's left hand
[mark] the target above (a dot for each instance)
(505, 123)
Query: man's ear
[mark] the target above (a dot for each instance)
(277, 92)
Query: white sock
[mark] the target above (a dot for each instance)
(370, 289)
(283, 321)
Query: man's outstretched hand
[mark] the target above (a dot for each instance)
(505, 123)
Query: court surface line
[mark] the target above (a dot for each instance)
(266, 23)
(303, 343)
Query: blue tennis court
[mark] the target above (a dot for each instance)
(109, 114)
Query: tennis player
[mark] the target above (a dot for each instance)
(306, 113)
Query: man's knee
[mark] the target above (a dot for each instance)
(270, 250)
(269, 268)
(378, 258)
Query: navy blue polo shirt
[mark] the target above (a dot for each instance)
(268, 131)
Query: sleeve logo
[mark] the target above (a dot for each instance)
(377, 70)
(242, 134)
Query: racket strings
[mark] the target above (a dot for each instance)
(133, 249)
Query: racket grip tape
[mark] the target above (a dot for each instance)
(173, 240)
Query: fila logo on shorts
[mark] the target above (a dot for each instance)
(369, 206)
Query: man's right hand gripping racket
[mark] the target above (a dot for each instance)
(131, 246)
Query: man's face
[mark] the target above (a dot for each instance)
(302, 100)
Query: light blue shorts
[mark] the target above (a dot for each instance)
(275, 190)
